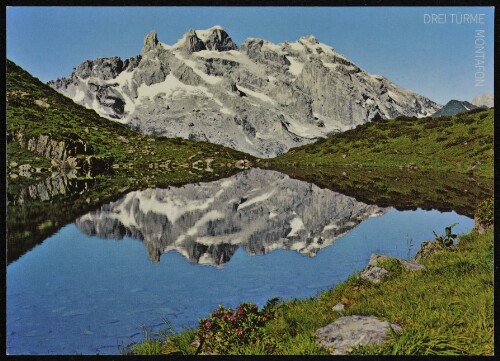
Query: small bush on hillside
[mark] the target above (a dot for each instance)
(405, 118)
(458, 141)
(227, 329)
(485, 213)
(447, 239)
(466, 120)
(474, 111)
(432, 124)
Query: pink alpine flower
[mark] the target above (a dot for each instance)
(239, 331)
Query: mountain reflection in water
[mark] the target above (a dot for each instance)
(261, 210)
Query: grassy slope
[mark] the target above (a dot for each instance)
(64, 119)
(458, 143)
(446, 309)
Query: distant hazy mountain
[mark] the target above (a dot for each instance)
(261, 98)
(486, 100)
(454, 107)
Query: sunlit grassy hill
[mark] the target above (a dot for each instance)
(461, 143)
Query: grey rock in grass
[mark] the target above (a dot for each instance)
(373, 274)
(426, 248)
(339, 307)
(350, 331)
(409, 265)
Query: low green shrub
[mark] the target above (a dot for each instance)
(448, 238)
(227, 329)
(485, 212)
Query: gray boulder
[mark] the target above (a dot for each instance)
(373, 274)
(350, 331)
(376, 260)
(426, 248)
(375, 270)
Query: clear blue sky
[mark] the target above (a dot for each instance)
(435, 60)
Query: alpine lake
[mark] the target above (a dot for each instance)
(91, 267)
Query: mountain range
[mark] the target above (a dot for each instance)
(261, 98)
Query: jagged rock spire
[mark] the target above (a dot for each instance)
(150, 42)
(219, 40)
(192, 42)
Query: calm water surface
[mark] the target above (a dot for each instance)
(177, 253)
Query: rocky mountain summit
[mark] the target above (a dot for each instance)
(454, 107)
(259, 210)
(260, 97)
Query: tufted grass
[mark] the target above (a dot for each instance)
(446, 309)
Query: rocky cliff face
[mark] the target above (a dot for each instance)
(67, 153)
(258, 210)
(262, 98)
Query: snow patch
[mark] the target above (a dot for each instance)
(172, 87)
(330, 227)
(248, 140)
(295, 67)
(79, 95)
(227, 111)
(207, 217)
(172, 208)
(231, 55)
(204, 34)
(296, 225)
(257, 95)
(296, 46)
(165, 46)
(210, 79)
(257, 199)
(274, 47)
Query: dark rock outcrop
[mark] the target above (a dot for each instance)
(375, 270)
(219, 40)
(192, 43)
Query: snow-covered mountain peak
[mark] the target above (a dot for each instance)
(311, 39)
(205, 34)
(261, 98)
(214, 38)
